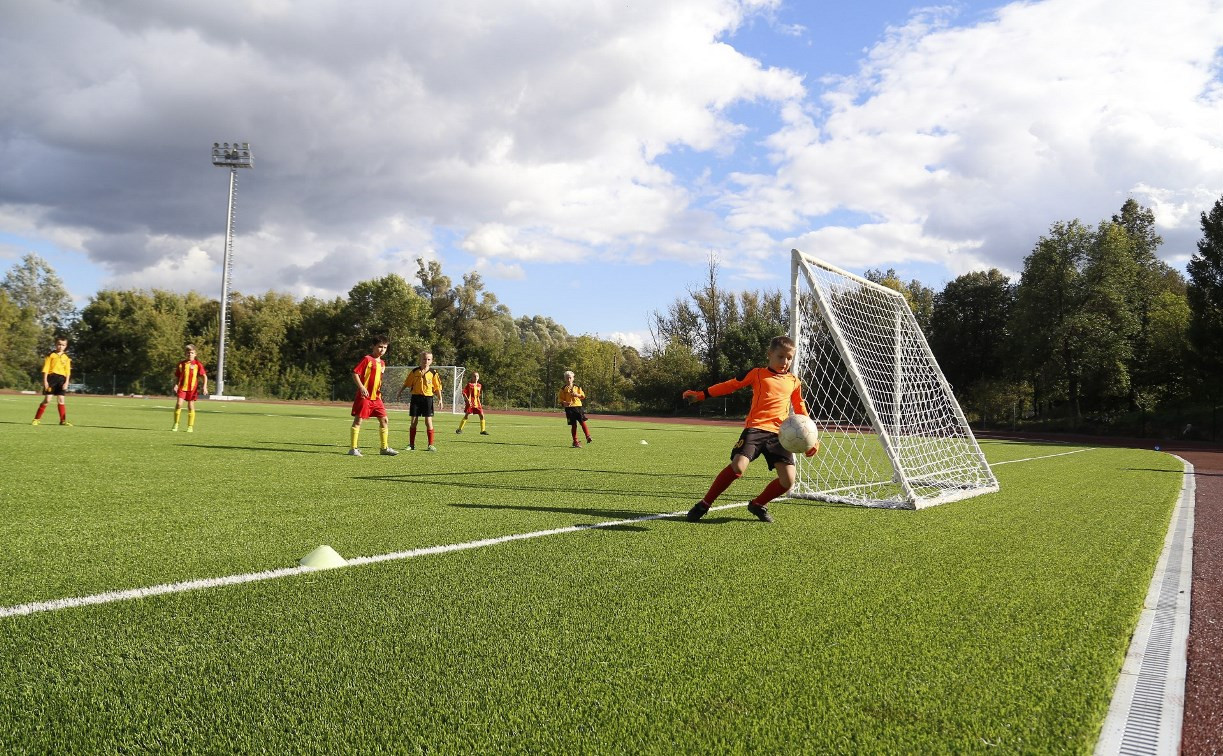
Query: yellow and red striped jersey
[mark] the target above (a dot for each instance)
(771, 393)
(57, 364)
(472, 392)
(187, 375)
(369, 369)
(571, 396)
(423, 382)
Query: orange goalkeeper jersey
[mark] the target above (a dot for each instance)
(772, 396)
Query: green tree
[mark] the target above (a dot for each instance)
(19, 344)
(38, 292)
(1205, 298)
(1046, 323)
(969, 328)
(919, 296)
(388, 306)
(129, 341)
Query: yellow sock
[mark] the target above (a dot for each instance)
(384, 435)
(190, 418)
(462, 422)
(177, 413)
(356, 431)
(483, 423)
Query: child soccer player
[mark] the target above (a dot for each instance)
(773, 388)
(190, 379)
(368, 377)
(473, 396)
(571, 397)
(56, 369)
(425, 384)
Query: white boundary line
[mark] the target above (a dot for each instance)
(1148, 705)
(1046, 456)
(110, 597)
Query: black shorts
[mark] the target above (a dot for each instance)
(420, 406)
(753, 442)
(575, 415)
(56, 384)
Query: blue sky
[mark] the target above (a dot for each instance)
(587, 158)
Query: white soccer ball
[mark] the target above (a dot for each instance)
(798, 434)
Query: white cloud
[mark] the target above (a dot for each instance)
(965, 144)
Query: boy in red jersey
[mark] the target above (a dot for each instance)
(368, 377)
(571, 397)
(473, 397)
(56, 370)
(190, 379)
(774, 390)
(425, 384)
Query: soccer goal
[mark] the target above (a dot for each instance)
(892, 433)
(452, 384)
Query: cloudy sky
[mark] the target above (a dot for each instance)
(587, 157)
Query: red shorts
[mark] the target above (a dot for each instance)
(188, 396)
(473, 409)
(364, 408)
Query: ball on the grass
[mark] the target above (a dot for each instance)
(798, 434)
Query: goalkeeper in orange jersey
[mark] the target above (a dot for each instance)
(190, 380)
(368, 377)
(774, 391)
(473, 398)
(570, 397)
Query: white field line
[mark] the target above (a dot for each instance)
(1044, 456)
(110, 597)
(255, 577)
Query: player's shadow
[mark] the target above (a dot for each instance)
(612, 514)
(332, 449)
(505, 443)
(299, 443)
(475, 479)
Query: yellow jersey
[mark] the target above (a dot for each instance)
(571, 396)
(57, 364)
(423, 382)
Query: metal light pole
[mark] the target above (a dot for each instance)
(232, 157)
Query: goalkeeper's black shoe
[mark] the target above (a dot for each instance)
(762, 513)
(698, 511)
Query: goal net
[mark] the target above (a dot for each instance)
(452, 385)
(891, 431)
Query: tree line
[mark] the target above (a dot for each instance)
(1097, 331)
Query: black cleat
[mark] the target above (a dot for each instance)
(698, 511)
(762, 513)
(458, 430)
(484, 433)
(589, 440)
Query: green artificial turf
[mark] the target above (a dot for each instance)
(996, 624)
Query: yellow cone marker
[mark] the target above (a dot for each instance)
(322, 558)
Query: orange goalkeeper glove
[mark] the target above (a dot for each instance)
(813, 450)
(692, 397)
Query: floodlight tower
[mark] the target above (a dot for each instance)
(232, 156)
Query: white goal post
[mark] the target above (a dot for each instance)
(891, 431)
(452, 385)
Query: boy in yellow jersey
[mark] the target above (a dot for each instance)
(473, 398)
(56, 370)
(190, 380)
(570, 397)
(774, 391)
(368, 377)
(425, 384)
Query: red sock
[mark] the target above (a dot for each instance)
(41, 409)
(63, 412)
(721, 483)
(574, 428)
(770, 492)
(430, 436)
(586, 430)
(412, 436)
